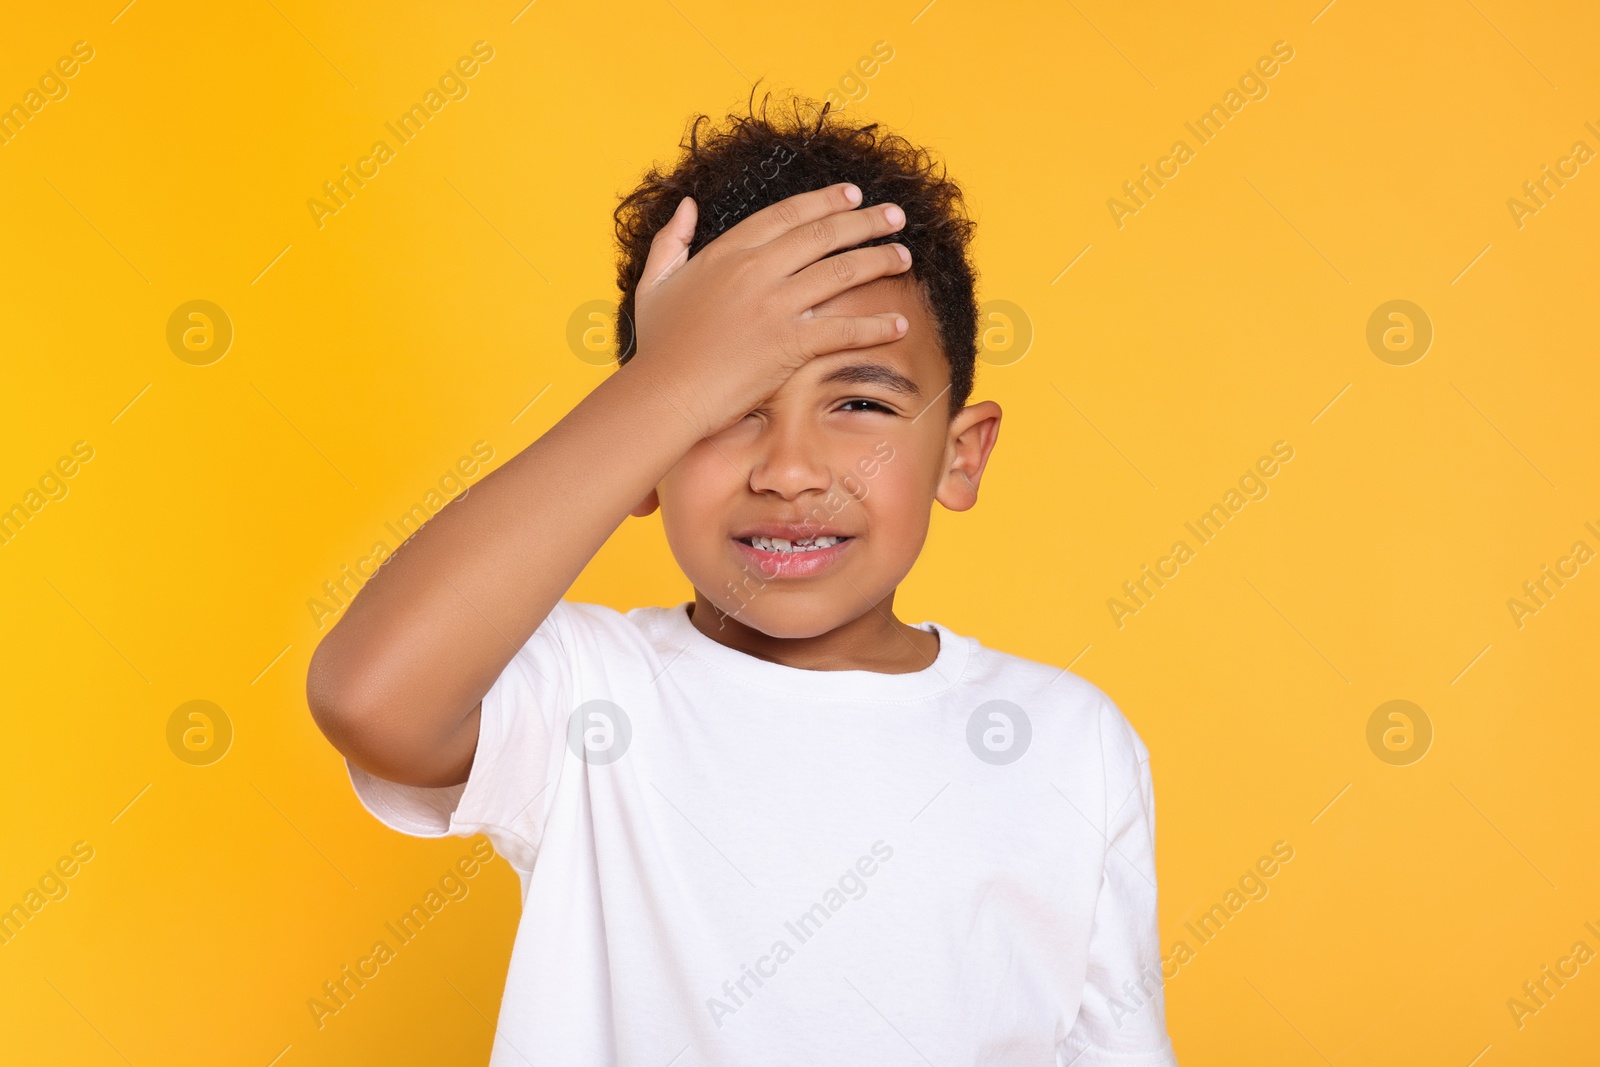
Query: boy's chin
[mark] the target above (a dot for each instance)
(787, 615)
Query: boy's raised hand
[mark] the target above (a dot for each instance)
(720, 332)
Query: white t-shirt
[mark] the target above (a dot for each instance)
(758, 864)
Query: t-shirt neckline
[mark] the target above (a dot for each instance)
(943, 673)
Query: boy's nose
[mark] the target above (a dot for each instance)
(788, 460)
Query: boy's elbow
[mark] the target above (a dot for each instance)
(337, 705)
(366, 727)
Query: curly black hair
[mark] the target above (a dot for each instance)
(750, 162)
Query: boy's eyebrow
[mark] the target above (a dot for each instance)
(873, 374)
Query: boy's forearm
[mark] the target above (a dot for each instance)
(427, 636)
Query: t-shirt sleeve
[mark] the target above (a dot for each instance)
(521, 744)
(1122, 1018)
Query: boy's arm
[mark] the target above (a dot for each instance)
(397, 685)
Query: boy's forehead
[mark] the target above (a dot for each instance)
(921, 348)
(900, 293)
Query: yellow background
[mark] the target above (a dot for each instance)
(1229, 313)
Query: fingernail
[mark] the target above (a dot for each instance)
(894, 215)
(900, 324)
(852, 194)
(905, 253)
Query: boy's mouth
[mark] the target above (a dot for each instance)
(778, 544)
(797, 557)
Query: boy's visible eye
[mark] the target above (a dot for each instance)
(872, 404)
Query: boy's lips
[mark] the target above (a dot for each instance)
(801, 564)
(791, 549)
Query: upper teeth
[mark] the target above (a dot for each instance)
(778, 544)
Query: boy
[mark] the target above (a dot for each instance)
(774, 824)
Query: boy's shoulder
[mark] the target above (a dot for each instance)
(1053, 690)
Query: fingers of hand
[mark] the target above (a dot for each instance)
(669, 248)
(778, 219)
(822, 334)
(829, 277)
(804, 245)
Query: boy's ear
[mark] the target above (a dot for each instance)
(973, 433)
(646, 506)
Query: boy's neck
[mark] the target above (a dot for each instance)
(874, 641)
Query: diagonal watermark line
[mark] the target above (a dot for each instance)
(516, 652)
(124, 10)
(710, 42)
(1323, 12)
(1074, 263)
(498, 1035)
(281, 1055)
(530, 404)
(302, 833)
(314, 48)
(1297, 630)
(269, 266)
(1502, 834)
(1503, 436)
(1330, 804)
(923, 12)
(307, 440)
(130, 804)
(499, 231)
(668, 666)
(887, 1023)
(1513, 44)
(1103, 437)
(1330, 404)
(130, 403)
(531, 801)
(86, 1019)
(701, 832)
(1292, 1026)
(1114, 48)
(1468, 667)
(1109, 843)
(523, 12)
(1296, 229)
(97, 630)
(268, 667)
(1469, 266)
(1062, 673)
(97, 229)
(929, 804)
(930, 404)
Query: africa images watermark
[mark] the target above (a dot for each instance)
(1537, 592)
(851, 885)
(452, 85)
(1252, 86)
(1538, 192)
(735, 197)
(1537, 992)
(52, 87)
(1252, 486)
(1252, 887)
(52, 486)
(339, 991)
(53, 885)
(342, 590)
